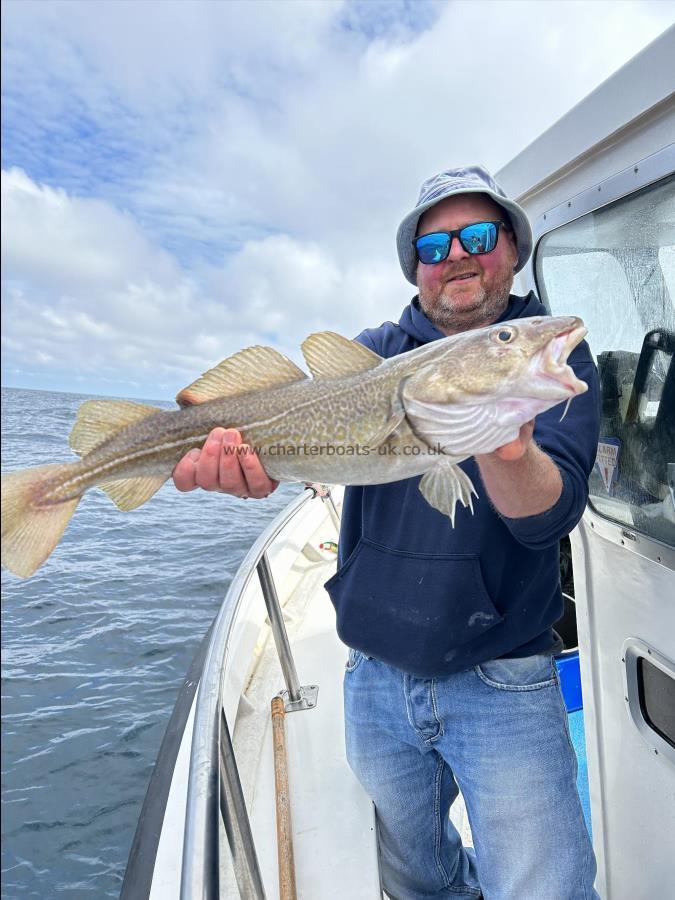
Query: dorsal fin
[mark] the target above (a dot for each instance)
(329, 355)
(98, 420)
(249, 370)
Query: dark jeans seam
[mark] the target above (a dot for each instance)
(439, 831)
(434, 706)
(465, 889)
(438, 824)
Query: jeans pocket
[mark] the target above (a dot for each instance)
(354, 660)
(524, 673)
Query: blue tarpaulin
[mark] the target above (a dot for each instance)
(570, 683)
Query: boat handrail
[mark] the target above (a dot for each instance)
(211, 745)
(276, 618)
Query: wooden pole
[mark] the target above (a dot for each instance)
(287, 890)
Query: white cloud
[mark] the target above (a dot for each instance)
(66, 242)
(105, 302)
(189, 178)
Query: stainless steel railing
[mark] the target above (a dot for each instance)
(214, 788)
(278, 628)
(235, 819)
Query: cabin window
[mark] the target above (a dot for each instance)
(615, 267)
(656, 691)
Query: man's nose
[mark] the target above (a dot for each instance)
(457, 252)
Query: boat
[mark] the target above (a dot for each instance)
(251, 795)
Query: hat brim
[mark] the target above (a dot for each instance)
(408, 229)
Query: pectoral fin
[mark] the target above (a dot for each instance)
(445, 484)
(396, 417)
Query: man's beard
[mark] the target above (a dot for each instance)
(486, 307)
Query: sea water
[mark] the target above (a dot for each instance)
(95, 646)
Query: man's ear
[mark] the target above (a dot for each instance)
(514, 246)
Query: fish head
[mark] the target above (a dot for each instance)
(526, 358)
(504, 374)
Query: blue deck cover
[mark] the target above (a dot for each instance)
(570, 683)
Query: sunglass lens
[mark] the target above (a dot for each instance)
(479, 238)
(433, 248)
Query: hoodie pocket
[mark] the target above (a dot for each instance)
(410, 609)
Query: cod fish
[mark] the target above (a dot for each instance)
(359, 420)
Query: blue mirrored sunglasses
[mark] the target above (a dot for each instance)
(481, 237)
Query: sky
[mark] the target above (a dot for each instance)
(184, 179)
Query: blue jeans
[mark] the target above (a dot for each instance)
(499, 733)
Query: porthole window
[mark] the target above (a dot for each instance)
(657, 699)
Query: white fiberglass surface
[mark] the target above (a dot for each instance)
(332, 818)
(167, 872)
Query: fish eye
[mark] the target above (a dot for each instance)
(504, 335)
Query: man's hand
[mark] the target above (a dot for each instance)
(521, 480)
(226, 465)
(516, 449)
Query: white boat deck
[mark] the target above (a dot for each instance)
(333, 820)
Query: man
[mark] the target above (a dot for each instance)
(451, 683)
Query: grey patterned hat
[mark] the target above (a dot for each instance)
(465, 180)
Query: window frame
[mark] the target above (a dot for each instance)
(618, 186)
(632, 652)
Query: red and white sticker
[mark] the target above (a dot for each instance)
(607, 461)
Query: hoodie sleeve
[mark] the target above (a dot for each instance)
(572, 445)
(366, 338)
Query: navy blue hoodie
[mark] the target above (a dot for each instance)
(431, 599)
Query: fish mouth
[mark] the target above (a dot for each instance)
(552, 361)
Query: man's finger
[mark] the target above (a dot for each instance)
(230, 477)
(515, 449)
(185, 471)
(209, 461)
(511, 451)
(258, 483)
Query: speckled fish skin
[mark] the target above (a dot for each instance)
(277, 423)
(420, 412)
(344, 414)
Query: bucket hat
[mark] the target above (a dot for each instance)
(465, 180)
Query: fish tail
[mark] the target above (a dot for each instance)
(32, 526)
